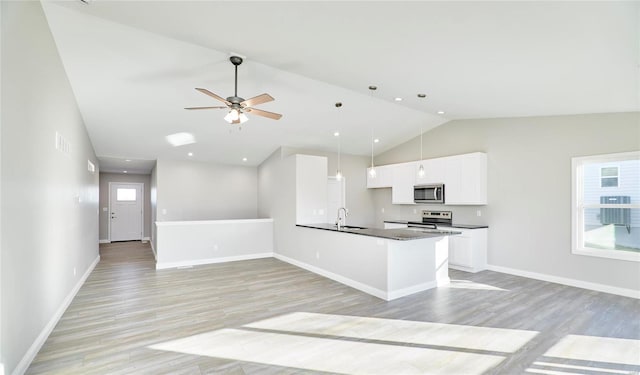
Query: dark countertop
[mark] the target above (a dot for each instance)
(391, 234)
(461, 226)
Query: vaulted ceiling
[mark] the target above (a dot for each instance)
(133, 66)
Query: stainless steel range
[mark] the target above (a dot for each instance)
(431, 219)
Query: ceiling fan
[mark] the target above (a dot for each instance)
(238, 106)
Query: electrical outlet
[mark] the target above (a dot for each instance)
(479, 213)
(164, 211)
(382, 210)
(415, 211)
(74, 271)
(317, 255)
(215, 247)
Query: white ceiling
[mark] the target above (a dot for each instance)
(134, 65)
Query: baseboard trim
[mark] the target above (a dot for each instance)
(104, 241)
(413, 289)
(30, 355)
(153, 250)
(341, 279)
(567, 281)
(198, 262)
(145, 239)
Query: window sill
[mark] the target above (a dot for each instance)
(610, 254)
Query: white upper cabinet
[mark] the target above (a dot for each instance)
(464, 178)
(433, 171)
(383, 178)
(404, 178)
(465, 181)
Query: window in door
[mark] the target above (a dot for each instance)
(125, 195)
(606, 206)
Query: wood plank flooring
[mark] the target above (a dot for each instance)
(268, 317)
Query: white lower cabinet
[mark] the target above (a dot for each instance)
(468, 251)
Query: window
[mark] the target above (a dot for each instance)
(606, 206)
(609, 177)
(125, 195)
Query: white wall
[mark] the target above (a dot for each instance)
(311, 189)
(189, 190)
(105, 179)
(529, 186)
(49, 198)
(183, 243)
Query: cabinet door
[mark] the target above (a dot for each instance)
(466, 179)
(383, 179)
(403, 181)
(460, 251)
(433, 171)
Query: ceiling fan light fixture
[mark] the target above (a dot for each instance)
(235, 115)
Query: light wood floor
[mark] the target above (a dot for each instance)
(268, 317)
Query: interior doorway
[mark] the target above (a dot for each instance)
(126, 211)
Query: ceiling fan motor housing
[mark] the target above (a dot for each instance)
(235, 100)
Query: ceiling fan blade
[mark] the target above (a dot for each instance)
(264, 98)
(219, 107)
(259, 112)
(207, 92)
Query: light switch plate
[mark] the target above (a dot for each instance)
(105, 209)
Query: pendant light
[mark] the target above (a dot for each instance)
(337, 134)
(421, 168)
(421, 172)
(372, 170)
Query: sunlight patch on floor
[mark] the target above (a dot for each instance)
(400, 331)
(597, 349)
(589, 369)
(466, 284)
(329, 355)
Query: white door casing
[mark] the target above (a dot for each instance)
(125, 211)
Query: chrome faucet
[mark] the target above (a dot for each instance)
(340, 219)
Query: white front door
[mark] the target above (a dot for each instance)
(125, 204)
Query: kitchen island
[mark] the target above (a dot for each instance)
(386, 263)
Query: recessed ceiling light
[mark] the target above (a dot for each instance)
(441, 112)
(336, 134)
(376, 140)
(422, 95)
(125, 171)
(398, 99)
(128, 160)
(190, 154)
(244, 159)
(180, 139)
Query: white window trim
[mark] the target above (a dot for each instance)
(617, 167)
(577, 208)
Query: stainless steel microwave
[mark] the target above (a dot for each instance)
(433, 193)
